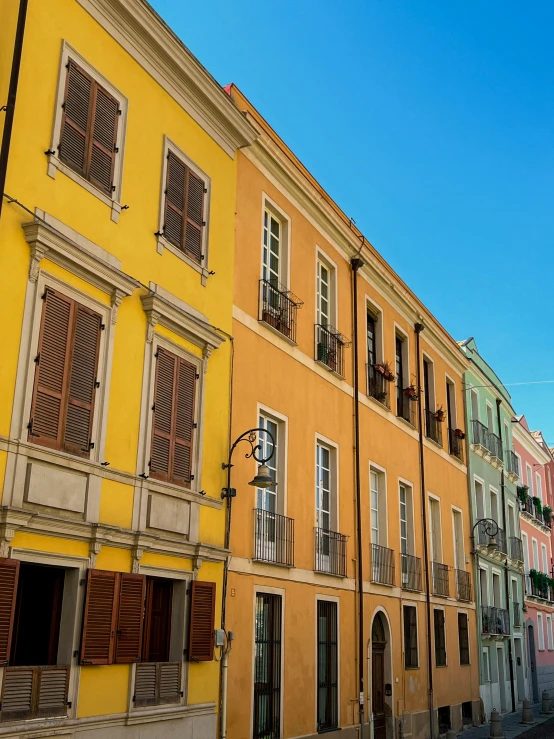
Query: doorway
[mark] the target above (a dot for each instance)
(501, 678)
(519, 669)
(533, 663)
(379, 706)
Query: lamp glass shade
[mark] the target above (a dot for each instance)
(263, 478)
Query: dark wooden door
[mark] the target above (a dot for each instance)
(378, 691)
(158, 619)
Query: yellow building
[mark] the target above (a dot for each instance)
(298, 665)
(116, 235)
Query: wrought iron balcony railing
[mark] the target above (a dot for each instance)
(517, 614)
(433, 427)
(411, 572)
(382, 565)
(495, 445)
(329, 348)
(405, 408)
(273, 538)
(495, 620)
(377, 386)
(455, 445)
(479, 434)
(278, 308)
(330, 552)
(441, 582)
(516, 549)
(512, 462)
(501, 544)
(463, 585)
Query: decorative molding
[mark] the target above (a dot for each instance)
(143, 34)
(137, 556)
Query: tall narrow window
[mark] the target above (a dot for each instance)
(371, 339)
(479, 499)
(540, 629)
(157, 627)
(549, 631)
(272, 249)
(267, 667)
(538, 486)
(485, 666)
(323, 487)
(374, 502)
(459, 557)
(399, 346)
(410, 637)
(327, 666)
(404, 544)
(440, 638)
(496, 591)
(544, 559)
(267, 497)
(474, 406)
(184, 206)
(529, 479)
(536, 564)
(451, 404)
(463, 638)
(494, 506)
(429, 385)
(435, 530)
(323, 294)
(490, 418)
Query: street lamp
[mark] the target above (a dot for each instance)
(490, 527)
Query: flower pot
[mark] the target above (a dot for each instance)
(459, 433)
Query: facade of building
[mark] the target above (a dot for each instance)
(117, 234)
(293, 596)
(536, 533)
(497, 544)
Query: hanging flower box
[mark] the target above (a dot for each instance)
(385, 370)
(411, 392)
(459, 433)
(439, 415)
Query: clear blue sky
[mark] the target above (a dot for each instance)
(432, 125)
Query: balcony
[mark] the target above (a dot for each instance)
(517, 614)
(495, 446)
(278, 308)
(411, 572)
(495, 620)
(456, 444)
(433, 428)
(405, 408)
(441, 583)
(377, 385)
(273, 538)
(516, 549)
(479, 434)
(463, 585)
(329, 348)
(330, 552)
(382, 565)
(512, 464)
(532, 513)
(34, 692)
(157, 683)
(487, 442)
(496, 543)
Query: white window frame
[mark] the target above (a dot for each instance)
(323, 260)
(520, 467)
(334, 480)
(55, 163)
(544, 556)
(282, 422)
(538, 486)
(535, 550)
(427, 359)
(488, 405)
(277, 212)
(550, 642)
(475, 394)
(458, 513)
(540, 631)
(377, 312)
(410, 523)
(529, 476)
(400, 333)
(486, 665)
(329, 599)
(496, 573)
(162, 243)
(434, 558)
(382, 507)
(449, 381)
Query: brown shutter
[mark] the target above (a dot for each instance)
(195, 216)
(76, 118)
(104, 135)
(184, 422)
(201, 628)
(82, 384)
(97, 642)
(162, 422)
(130, 618)
(174, 211)
(9, 576)
(47, 408)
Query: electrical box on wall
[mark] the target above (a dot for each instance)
(219, 638)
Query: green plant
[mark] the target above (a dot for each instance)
(533, 574)
(538, 504)
(547, 513)
(522, 492)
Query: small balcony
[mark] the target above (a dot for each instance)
(329, 348)
(441, 581)
(495, 620)
(517, 614)
(405, 408)
(516, 549)
(382, 565)
(463, 585)
(377, 386)
(496, 543)
(411, 572)
(273, 538)
(512, 463)
(34, 692)
(433, 427)
(495, 446)
(278, 308)
(479, 434)
(330, 552)
(456, 444)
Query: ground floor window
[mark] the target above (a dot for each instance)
(327, 665)
(267, 667)
(463, 638)
(410, 637)
(440, 637)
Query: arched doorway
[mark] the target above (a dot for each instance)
(379, 707)
(533, 662)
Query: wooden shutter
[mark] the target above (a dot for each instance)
(184, 422)
(174, 212)
(103, 139)
(201, 626)
(146, 684)
(99, 622)
(76, 118)
(47, 407)
(82, 383)
(169, 682)
(163, 415)
(195, 216)
(130, 618)
(9, 576)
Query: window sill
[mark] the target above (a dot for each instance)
(340, 377)
(55, 164)
(382, 404)
(436, 443)
(404, 420)
(278, 333)
(162, 244)
(286, 566)
(330, 574)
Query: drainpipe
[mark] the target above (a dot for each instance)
(506, 577)
(12, 95)
(356, 263)
(418, 327)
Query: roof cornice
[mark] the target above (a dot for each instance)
(529, 443)
(144, 35)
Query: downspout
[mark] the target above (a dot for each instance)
(418, 329)
(12, 96)
(506, 577)
(356, 263)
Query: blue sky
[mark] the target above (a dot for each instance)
(432, 125)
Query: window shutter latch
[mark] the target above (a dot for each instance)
(96, 383)
(37, 358)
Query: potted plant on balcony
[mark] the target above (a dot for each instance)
(411, 392)
(538, 504)
(534, 577)
(522, 493)
(384, 369)
(439, 415)
(547, 513)
(459, 433)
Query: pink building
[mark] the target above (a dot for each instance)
(535, 497)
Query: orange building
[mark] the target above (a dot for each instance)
(371, 486)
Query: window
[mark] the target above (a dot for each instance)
(272, 264)
(173, 420)
(326, 309)
(377, 385)
(451, 404)
(435, 530)
(327, 666)
(479, 499)
(463, 638)
(494, 506)
(485, 666)
(411, 658)
(459, 556)
(474, 405)
(540, 630)
(490, 418)
(484, 587)
(544, 559)
(538, 487)
(529, 479)
(429, 384)
(62, 408)
(184, 209)
(536, 564)
(266, 498)
(549, 631)
(267, 667)
(371, 323)
(323, 487)
(403, 407)
(374, 505)
(496, 590)
(406, 519)
(440, 637)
